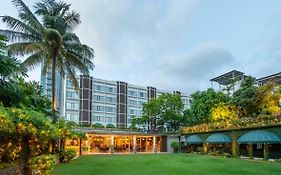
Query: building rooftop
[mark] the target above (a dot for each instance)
(274, 77)
(227, 78)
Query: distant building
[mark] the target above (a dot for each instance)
(270, 78)
(229, 81)
(101, 101)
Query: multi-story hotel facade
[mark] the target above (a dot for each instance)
(101, 101)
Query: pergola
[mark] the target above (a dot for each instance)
(228, 78)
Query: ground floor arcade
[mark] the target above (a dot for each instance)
(255, 142)
(108, 142)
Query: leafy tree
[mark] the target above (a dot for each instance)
(52, 43)
(164, 112)
(64, 128)
(81, 136)
(142, 122)
(268, 98)
(224, 112)
(7, 129)
(230, 87)
(151, 120)
(32, 129)
(201, 104)
(245, 98)
(10, 69)
(171, 108)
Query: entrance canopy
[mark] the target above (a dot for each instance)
(218, 138)
(259, 136)
(193, 139)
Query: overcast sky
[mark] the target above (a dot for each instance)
(176, 44)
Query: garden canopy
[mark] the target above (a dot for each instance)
(259, 136)
(218, 138)
(193, 139)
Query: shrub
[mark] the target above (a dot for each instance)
(175, 145)
(42, 165)
(97, 125)
(66, 155)
(110, 126)
(214, 153)
(200, 149)
(84, 148)
(227, 155)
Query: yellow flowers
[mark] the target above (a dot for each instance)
(224, 112)
(43, 164)
(261, 120)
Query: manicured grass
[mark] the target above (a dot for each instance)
(165, 164)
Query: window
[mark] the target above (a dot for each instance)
(71, 94)
(111, 89)
(98, 98)
(98, 118)
(99, 108)
(99, 88)
(72, 106)
(140, 103)
(142, 94)
(132, 111)
(109, 120)
(129, 120)
(132, 93)
(110, 109)
(110, 99)
(132, 102)
(68, 83)
(72, 117)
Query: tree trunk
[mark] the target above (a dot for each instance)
(54, 84)
(26, 155)
(54, 96)
(80, 146)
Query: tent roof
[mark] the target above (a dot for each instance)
(193, 139)
(218, 138)
(259, 136)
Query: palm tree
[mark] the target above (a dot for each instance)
(52, 43)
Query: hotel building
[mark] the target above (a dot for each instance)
(101, 101)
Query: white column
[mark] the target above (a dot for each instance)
(111, 148)
(154, 149)
(112, 140)
(134, 144)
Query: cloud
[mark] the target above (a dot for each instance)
(128, 31)
(192, 70)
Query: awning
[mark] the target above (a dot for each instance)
(259, 136)
(193, 139)
(218, 138)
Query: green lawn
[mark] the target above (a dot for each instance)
(165, 164)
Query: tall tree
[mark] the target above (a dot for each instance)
(52, 43)
(268, 98)
(10, 69)
(201, 103)
(171, 111)
(165, 112)
(245, 98)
